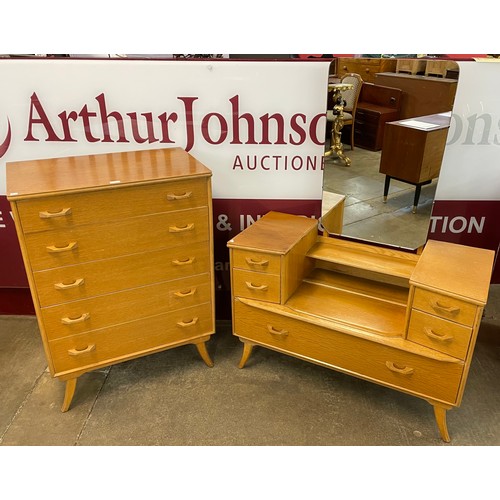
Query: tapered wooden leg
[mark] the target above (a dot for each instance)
(247, 350)
(202, 351)
(440, 415)
(387, 184)
(68, 394)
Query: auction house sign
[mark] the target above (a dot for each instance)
(466, 207)
(258, 125)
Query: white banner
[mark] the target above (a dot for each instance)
(471, 161)
(467, 202)
(258, 125)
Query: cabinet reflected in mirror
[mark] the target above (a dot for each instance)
(404, 162)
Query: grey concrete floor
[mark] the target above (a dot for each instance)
(173, 399)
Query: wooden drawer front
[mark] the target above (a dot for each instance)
(56, 286)
(365, 137)
(365, 67)
(106, 310)
(445, 307)
(398, 369)
(256, 261)
(367, 118)
(440, 334)
(65, 211)
(51, 249)
(117, 343)
(253, 285)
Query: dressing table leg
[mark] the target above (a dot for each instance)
(69, 393)
(202, 351)
(440, 415)
(247, 350)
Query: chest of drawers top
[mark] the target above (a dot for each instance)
(38, 178)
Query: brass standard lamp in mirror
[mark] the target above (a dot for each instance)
(388, 190)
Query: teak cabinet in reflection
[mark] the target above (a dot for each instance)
(119, 255)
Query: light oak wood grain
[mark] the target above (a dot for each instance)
(439, 334)
(408, 321)
(119, 256)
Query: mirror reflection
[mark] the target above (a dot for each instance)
(393, 132)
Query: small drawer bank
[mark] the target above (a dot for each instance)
(119, 255)
(403, 320)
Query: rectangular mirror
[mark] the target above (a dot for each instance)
(398, 125)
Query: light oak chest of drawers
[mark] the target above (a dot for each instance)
(119, 255)
(403, 320)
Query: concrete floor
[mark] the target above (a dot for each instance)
(173, 399)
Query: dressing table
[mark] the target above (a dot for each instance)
(407, 321)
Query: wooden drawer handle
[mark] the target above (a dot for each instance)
(187, 293)
(78, 352)
(50, 215)
(405, 370)
(71, 321)
(184, 196)
(65, 286)
(273, 331)
(445, 309)
(182, 229)
(183, 262)
(261, 263)
(66, 248)
(260, 288)
(436, 336)
(184, 324)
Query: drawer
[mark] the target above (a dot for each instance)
(253, 285)
(65, 211)
(440, 334)
(105, 310)
(366, 134)
(49, 249)
(424, 377)
(366, 139)
(445, 307)
(256, 261)
(363, 66)
(88, 351)
(367, 118)
(65, 284)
